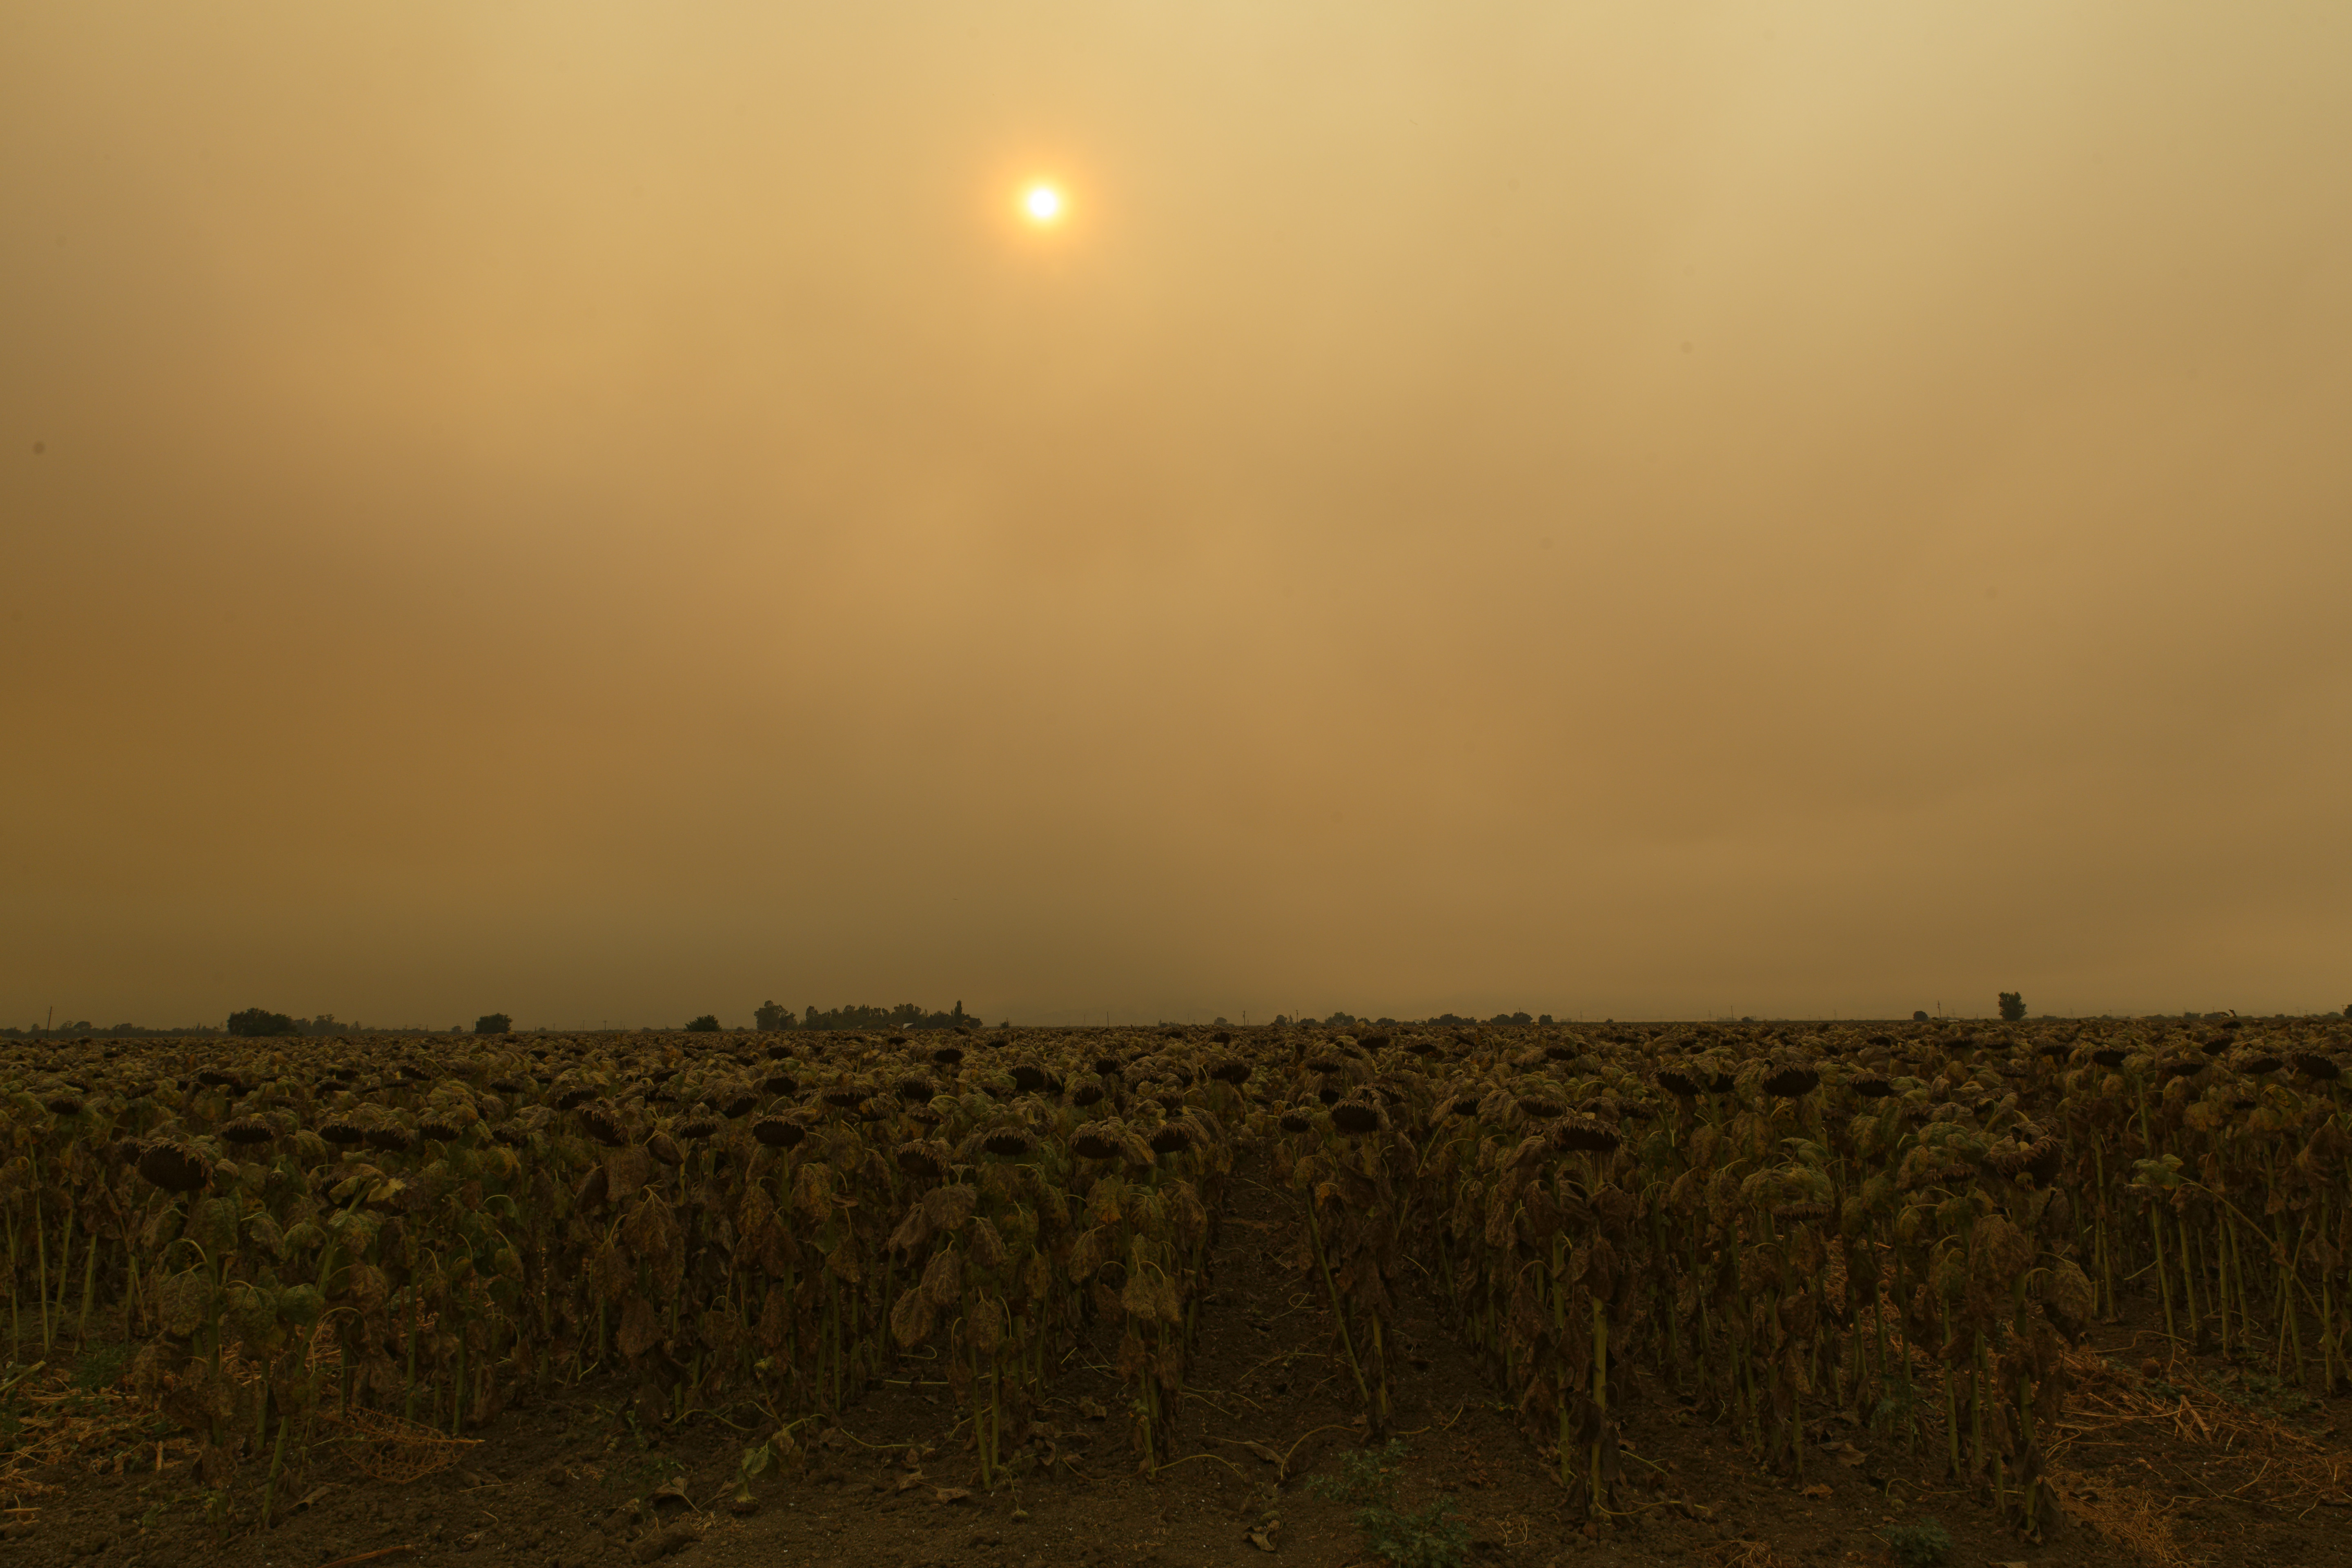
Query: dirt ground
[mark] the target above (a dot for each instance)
(2162, 1459)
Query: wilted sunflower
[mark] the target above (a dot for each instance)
(2044, 1159)
(778, 1132)
(175, 1167)
(1587, 1133)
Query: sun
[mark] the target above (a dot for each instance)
(1042, 203)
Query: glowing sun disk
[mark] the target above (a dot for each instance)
(1042, 202)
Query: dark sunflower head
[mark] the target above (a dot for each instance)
(778, 1132)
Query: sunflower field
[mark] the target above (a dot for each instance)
(314, 1241)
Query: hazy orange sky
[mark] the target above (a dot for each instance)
(603, 511)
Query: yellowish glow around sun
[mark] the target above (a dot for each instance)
(1042, 202)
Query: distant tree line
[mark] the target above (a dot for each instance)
(260, 1023)
(770, 1017)
(1342, 1020)
(86, 1030)
(251, 1023)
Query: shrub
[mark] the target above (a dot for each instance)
(494, 1023)
(259, 1023)
(2013, 1007)
(705, 1025)
(1922, 1545)
(1428, 1539)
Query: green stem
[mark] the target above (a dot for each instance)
(15, 1320)
(457, 1390)
(2163, 1279)
(1599, 1388)
(65, 1265)
(89, 1279)
(408, 1404)
(269, 1489)
(41, 1258)
(1338, 1312)
(1560, 1335)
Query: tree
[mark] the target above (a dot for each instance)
(494, 1023)
(260, 1023)
(769, 1015)
(705, 1025)
(2012, 1006)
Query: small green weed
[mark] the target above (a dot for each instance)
(1926, 1544)
(1427, 1538)
(101, 1367)
(2258, 1391)
(1891, 1410)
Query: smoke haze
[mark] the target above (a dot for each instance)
(603, 511)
